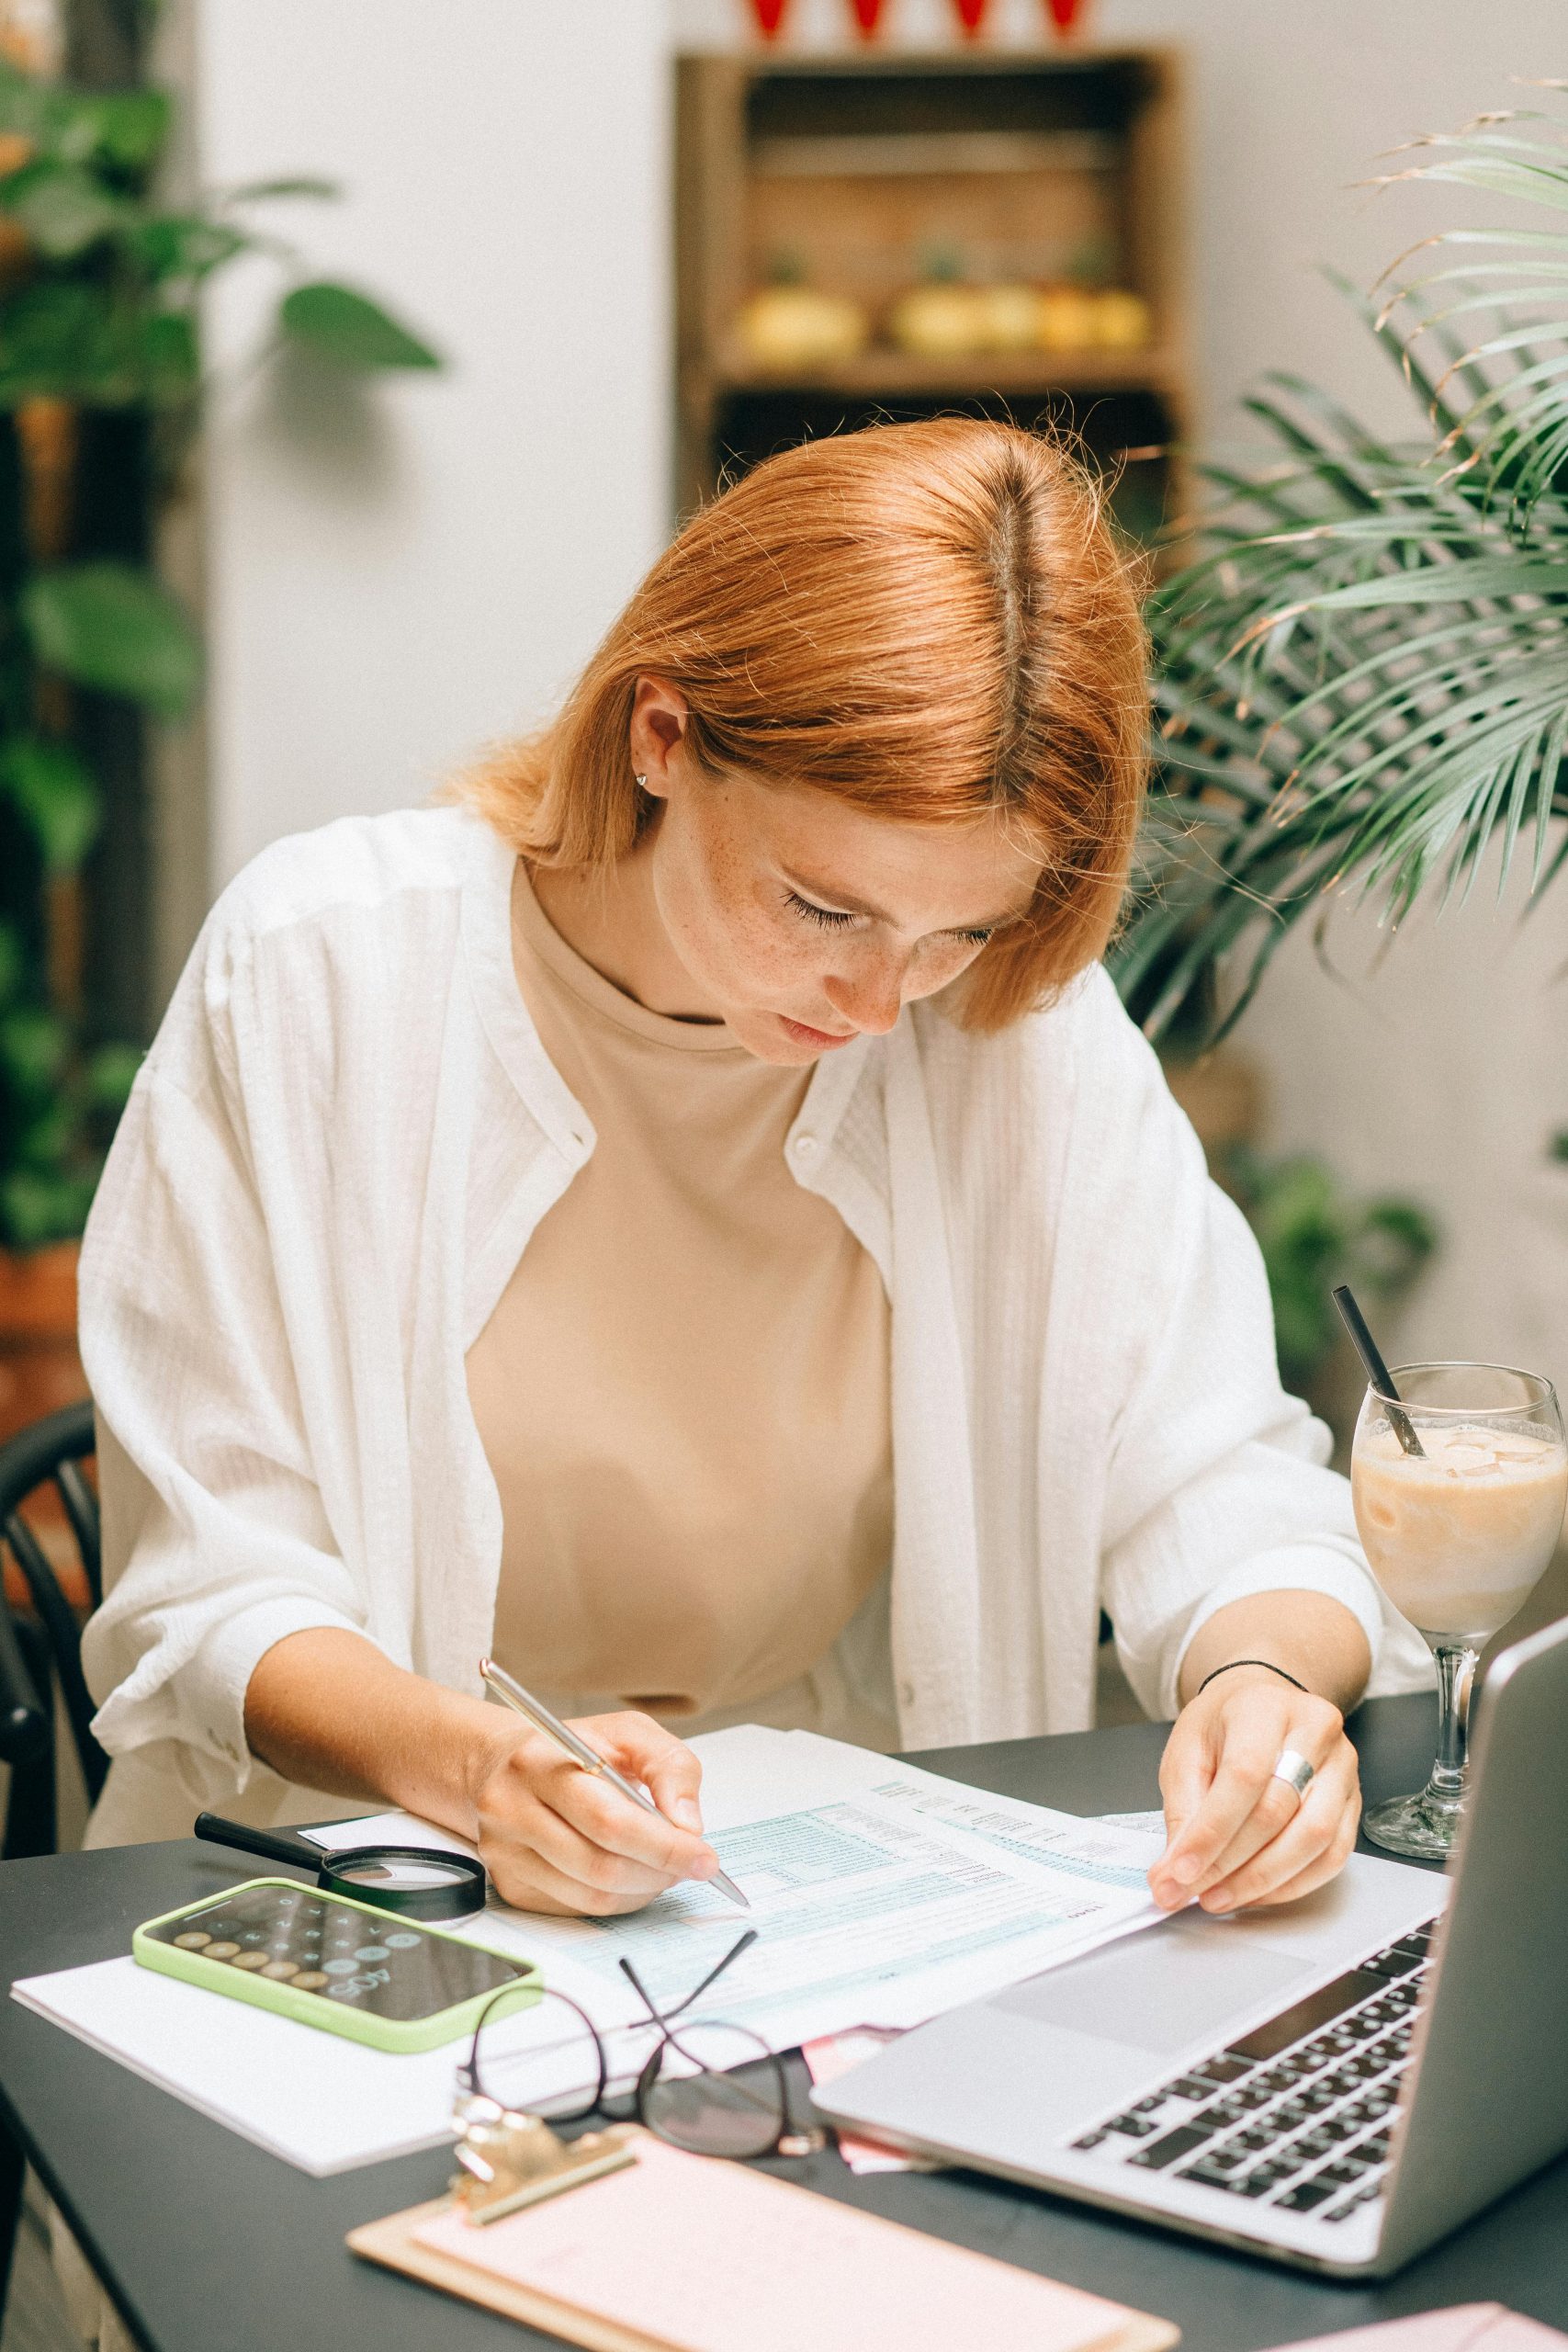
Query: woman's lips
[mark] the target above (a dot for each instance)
(803, 1034)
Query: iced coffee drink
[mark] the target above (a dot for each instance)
(1459, 1478)
(1459, 1535)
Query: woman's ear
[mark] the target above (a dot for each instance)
(660, 713)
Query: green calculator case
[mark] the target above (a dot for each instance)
(332, 2008)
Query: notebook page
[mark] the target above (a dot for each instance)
(719, 2258)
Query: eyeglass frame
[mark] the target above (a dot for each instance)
(790, 2140)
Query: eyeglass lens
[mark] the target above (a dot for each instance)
(713, 2089)
(716, 2090)
(559, 2072)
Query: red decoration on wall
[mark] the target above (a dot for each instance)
(971, 15)
(1065, 14)
(867, 15)
(770, 16)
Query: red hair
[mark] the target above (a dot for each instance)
(931, 620)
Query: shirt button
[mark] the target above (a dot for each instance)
(805, 1146)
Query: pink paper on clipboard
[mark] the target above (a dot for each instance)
(1466, 2327)
(709, 2256)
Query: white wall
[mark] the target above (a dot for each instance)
(401, 574)
(390, 588)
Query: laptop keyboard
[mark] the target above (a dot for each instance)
(1297, 2113)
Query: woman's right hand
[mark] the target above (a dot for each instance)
(326, 1708)
(558, 1839)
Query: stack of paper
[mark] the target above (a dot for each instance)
(832, 2054)
(882, 1894)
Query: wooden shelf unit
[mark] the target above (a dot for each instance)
(1035, 167)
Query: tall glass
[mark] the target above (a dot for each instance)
(1459, 1492)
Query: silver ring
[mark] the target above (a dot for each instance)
(1294, 1770)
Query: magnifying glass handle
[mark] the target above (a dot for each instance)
(271, 1845)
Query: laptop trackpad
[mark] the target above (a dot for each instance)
(1161, 1990)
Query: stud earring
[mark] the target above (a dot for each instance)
(641, 782)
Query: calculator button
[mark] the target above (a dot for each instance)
(309, 1980)
(194, 1940)
(249, 1959)
(221, 1951)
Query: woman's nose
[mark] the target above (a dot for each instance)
(872, 1000)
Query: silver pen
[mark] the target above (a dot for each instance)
(533, 1710)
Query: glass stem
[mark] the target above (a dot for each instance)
(1456, 1675)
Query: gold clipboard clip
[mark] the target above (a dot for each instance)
(507, 2160)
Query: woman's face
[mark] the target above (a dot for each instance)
(800, 920)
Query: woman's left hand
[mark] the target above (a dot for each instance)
(1237, 1836)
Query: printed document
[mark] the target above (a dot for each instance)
(880, 1894)
(879, 1898)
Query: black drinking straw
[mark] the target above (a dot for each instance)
(1373, 1364)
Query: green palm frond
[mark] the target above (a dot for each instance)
(1363, 674)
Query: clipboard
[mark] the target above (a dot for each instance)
(680, 2253)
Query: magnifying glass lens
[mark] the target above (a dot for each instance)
(421, 1882)
(401, 1874)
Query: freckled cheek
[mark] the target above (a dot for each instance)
(763, 963)
(934, 968)
(738, 951)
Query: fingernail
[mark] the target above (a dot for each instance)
(686, 1814)
(1188, 1869)
(707, 1864)
(1218, 1898)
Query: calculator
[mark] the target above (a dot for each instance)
(343, 1966)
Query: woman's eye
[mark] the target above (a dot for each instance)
(825, 917)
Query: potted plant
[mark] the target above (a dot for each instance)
(1363, 674)
(100, 399)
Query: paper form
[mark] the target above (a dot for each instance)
(880, 1894)
(1151, 1824)
(876, 1911)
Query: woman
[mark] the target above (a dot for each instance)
(694, 1218)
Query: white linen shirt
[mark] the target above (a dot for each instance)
(333, 1157)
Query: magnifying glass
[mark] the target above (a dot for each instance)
(417, 1881)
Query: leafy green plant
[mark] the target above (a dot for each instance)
(99, 289)
(1363, 672)
(1312, 1235)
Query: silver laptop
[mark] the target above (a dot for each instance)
(1334, 2084)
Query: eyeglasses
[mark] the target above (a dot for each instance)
(712, 2088)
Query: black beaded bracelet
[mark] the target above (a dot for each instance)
(1250, 1661)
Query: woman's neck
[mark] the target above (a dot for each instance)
(609, 915)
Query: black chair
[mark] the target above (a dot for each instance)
(39, 1652)
(42, 1651)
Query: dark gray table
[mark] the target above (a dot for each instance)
(205, 2241)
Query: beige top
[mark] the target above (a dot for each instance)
(683, 1391)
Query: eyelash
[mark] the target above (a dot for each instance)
(830, 919)
(824, 918)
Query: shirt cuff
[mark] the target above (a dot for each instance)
(1289, 1568)
(208, 1712)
